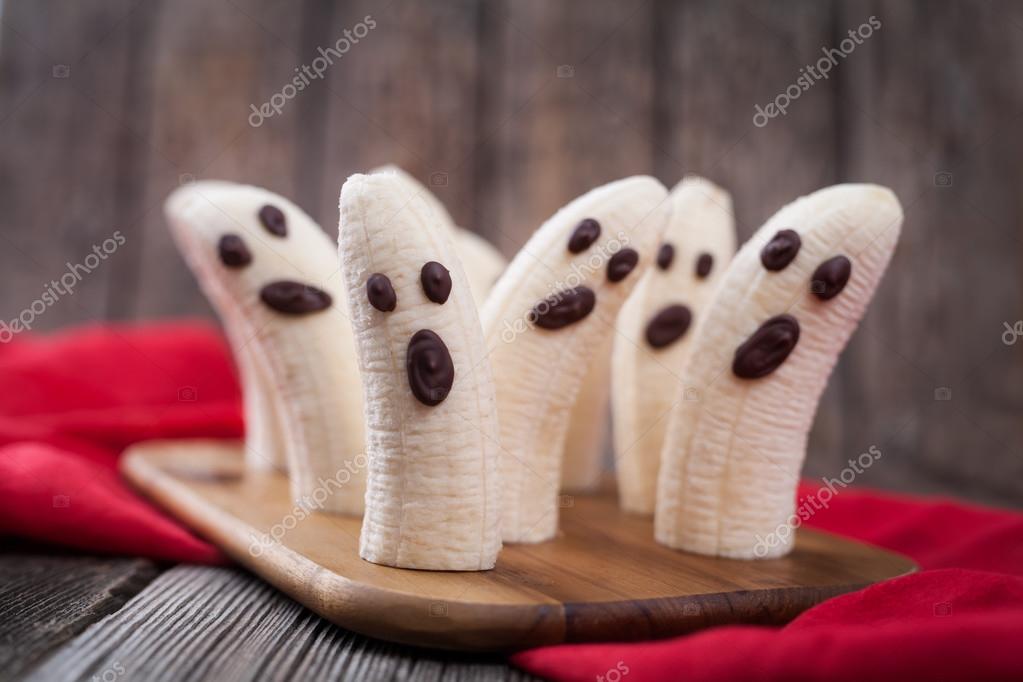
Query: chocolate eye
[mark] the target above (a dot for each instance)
(436, 281)
(585, 233)
(273, 220)
(704, 264)
(621, 264)
(781, 250)
(665, 255)
(830, 278)
(380, 293)
(233, 252)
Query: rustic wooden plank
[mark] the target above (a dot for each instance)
(196, 623)
(945, 134)
(45, 600)
(213, 62)
(404, 94)
(603, 578)
(67, 165)
(565, 105)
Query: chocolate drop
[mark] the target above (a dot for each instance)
(621, 264)
(585, 233)
(273, 220)
(233, 252)
(830, 278)
(380, 293)
(765, 350)
(781, 250)
(563, 308)
(665, 255)
(431, 373)
(294, 298)
(704, 264)
(668, 326)
(436, 281)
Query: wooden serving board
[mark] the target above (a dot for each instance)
(602, 578)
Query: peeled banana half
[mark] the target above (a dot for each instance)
(432, 438)
(272, 275)
(656, 333)
(545, 321)
(760, 359)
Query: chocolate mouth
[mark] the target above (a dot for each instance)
(294, 298)
(668, 326)
(430, 369)
(563, 308)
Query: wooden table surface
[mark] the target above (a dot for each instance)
(67, 617)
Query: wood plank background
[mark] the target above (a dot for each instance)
(514, 107)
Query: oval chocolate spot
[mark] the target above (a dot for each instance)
(294, 298)
(830, 278)
(765, 350)
(563, 308)
(621, 264)
(273, 220)
(781, 250)
(704, 264)
(233, 252)
(665, 255)
(668, 326)
(431, 372)
(436, 281)
(585, 233)
(380, 293)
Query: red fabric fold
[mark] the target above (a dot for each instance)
(959, 618)
(73, 401)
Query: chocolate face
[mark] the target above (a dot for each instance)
(233, 252)
(621, 264)
(704, 264)
(665, 255)
(431, 373)
(781, 250)
(380, 293)
(668, 326)
(830, 278)
(436, 281)
(273, 220)
(767, 348)
(585, 233)
(563, 308)
(294, 298)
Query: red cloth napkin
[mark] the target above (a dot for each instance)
(959, 618)
(72, 402)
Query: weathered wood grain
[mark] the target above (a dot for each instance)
(219, 624)
(604, 578)
(45, 600)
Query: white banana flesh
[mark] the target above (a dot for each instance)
(272, 275)
(482, 262)
(656, 331)
(432, 438)
(582, 463)
(761, 358)
(545, 321)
